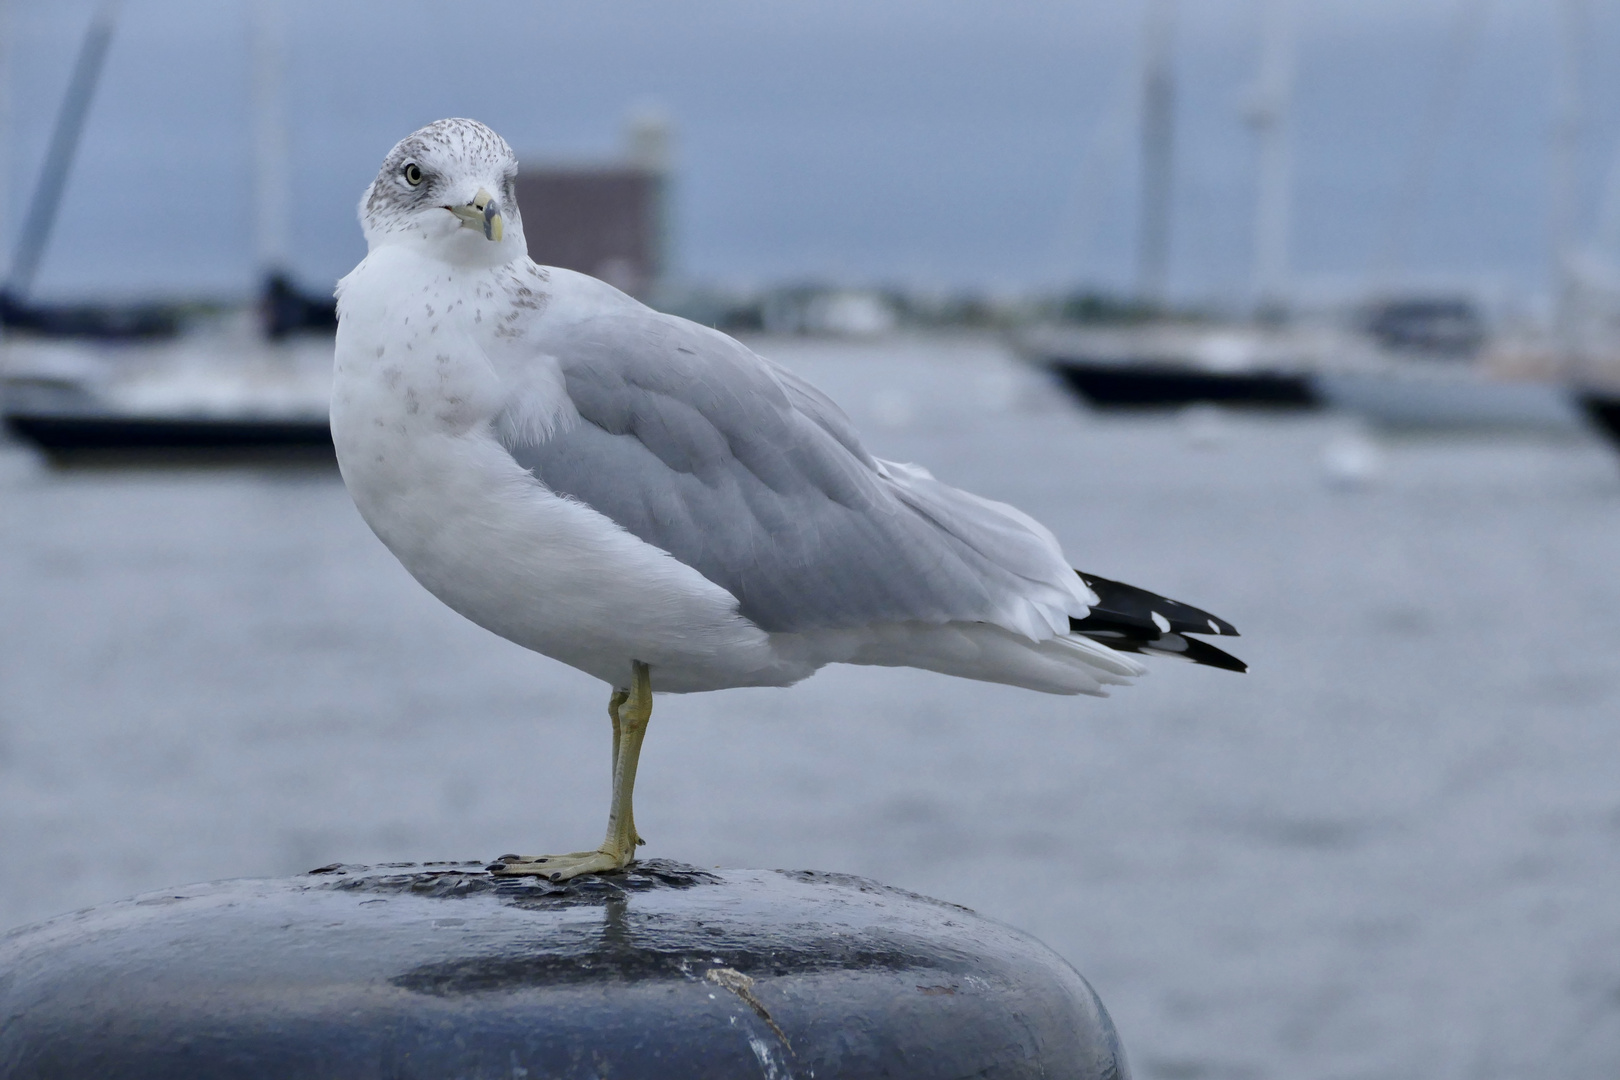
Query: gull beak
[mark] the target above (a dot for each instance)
(482, 213)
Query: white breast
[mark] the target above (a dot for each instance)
(414, 395)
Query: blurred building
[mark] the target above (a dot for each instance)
(606, 219)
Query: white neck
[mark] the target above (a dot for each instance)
(439, 235)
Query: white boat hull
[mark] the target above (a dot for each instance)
(1405, 400)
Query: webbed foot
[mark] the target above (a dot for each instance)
(630, 710)
(561, 867)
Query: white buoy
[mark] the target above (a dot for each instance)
(1351, 459)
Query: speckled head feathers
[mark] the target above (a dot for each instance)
(441, 165)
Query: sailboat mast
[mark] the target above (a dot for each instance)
(1271, 116)
(1568, 121)
(7, 162)
(270, 146)
(1158, 145)
(47, 199)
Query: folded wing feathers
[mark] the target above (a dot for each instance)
(678, 423)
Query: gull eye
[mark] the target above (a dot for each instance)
(413, 174)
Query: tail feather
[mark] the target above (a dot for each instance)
(1130, 619)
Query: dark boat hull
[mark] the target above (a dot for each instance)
(1149, 386)
(68, 437)
(1604, 412)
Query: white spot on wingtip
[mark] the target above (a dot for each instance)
(1214, 626)
(1161, 622)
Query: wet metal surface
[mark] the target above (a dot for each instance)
(664, 971)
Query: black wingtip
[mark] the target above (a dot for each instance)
(1177, 646)
(1130, 619)
(1138, 606)
(1202, 652)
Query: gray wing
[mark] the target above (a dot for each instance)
(699, 447)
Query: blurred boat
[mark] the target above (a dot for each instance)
(1589, 337)
(1427, 362)
(145, 381)
(73, 436)
(1424, 367)
(1602, 409)
(221, 392)
(1172, 364)
(1412, 395)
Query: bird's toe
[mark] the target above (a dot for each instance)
(560, 867)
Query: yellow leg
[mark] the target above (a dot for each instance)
(614, 705)
(634, 711)
(619, 698)
(630, 711)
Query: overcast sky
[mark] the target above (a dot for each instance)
(938, 144)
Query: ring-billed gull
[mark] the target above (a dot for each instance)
(648, 500)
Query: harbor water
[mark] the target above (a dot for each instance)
(1392, 850)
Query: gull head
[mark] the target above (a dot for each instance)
(449, 189)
